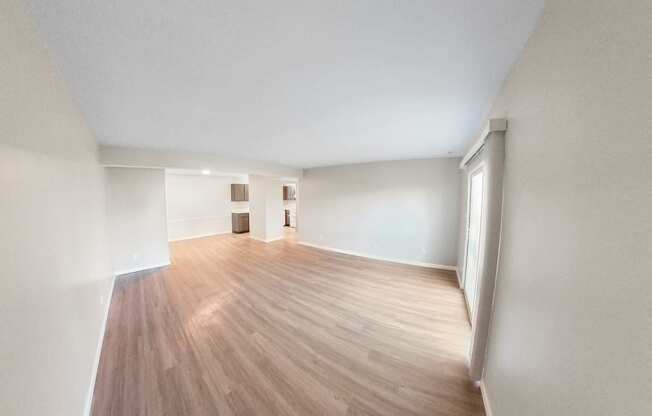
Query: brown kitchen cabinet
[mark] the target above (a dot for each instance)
(239, 192)
(240, 222)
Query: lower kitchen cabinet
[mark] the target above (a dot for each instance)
(240, 222)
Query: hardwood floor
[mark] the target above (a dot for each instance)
(239, 327)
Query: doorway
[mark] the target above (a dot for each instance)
(474, 232)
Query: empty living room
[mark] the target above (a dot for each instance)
(326, 207)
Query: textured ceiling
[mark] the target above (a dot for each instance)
(303, 83)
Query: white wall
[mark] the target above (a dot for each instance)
(402, 210)
(275, 209)
(572, 327)
(137, 219)
(200, 205)
(151, 158)
(55, 277)
(266, 213)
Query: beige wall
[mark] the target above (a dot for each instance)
(55, 276)
(572, 327)
(403, 210)
(137, 219)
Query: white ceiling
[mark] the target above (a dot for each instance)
(299, 82)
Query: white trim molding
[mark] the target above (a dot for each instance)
(485, 398)
(391, 260)
(98, 350)
(210, 217)
(494, 125)
(140, 269)
(192, 237)
(266, 241)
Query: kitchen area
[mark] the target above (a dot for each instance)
(240, 216)
(240, 213)
(290, 205)
(207, 203)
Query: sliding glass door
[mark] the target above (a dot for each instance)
(473, 239)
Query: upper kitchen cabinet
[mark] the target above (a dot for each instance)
(239, 192)
(289, 193)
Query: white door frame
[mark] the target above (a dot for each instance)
(491, 144)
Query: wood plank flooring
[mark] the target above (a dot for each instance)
(239, 327)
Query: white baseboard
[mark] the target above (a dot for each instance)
(141, 268)
(98, 351)
(459, 278)
(353, 253)
(266, 241)
(198, 236)
(485, 399)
